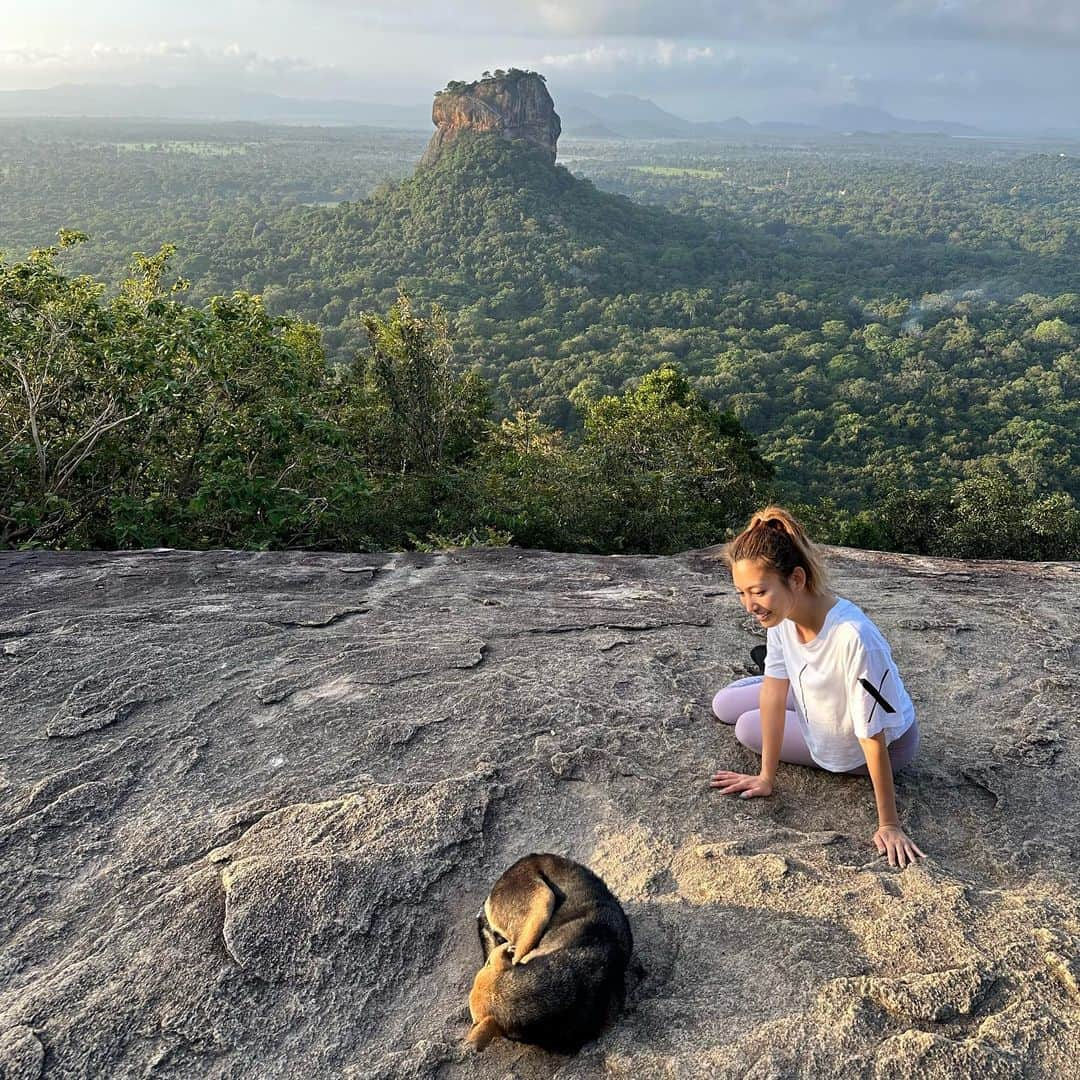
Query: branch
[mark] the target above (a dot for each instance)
(32, 403)
(93, 437)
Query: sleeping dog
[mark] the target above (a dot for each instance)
(556, 944)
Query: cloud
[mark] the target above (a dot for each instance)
(231, 60)
(28, 59)
(608, 58)
(1047, 22)
(180, 61)
(664, 66)
(1052, 22)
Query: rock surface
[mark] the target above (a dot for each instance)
(250, 803)
(513, 107)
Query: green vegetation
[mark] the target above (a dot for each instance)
(135, 185)
(511, 75)
(675, 170)
(173, 146)
(896, 322)
(140, 421)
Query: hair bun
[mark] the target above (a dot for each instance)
(779, 542)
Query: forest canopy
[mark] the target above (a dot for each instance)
(137, 420)
(881, 316)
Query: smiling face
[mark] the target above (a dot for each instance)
(764, 593)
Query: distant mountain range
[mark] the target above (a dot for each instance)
(620, 116)
(629, 117)
(201, 103)
(586, 115)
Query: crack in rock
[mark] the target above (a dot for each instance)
(628, 627)
(317, 623)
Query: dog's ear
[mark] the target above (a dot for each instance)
(483, 1032)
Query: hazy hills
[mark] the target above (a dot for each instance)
(629, 117)
(583, 114)
(203, 103)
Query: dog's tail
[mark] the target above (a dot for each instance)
(483, 1032)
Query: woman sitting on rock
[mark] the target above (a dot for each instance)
(831, 697)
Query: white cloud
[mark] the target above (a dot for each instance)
(182, 61)
(1049, 22)
(666, 67)
(609, 58)
(230, 59)
(29, 59)
(597, 58)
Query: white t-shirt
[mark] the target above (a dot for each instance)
(845, 684)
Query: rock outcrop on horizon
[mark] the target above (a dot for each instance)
(251, 802)
(513, 105)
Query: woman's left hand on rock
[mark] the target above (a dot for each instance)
(891, 840)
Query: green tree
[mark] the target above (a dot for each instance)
(66, 398)
(529, 485)
(1054, 332)
(663, 469)
(427, 417)
(140, 420)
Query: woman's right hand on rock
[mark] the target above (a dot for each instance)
(741, 784)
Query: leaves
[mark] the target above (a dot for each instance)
(140, 421)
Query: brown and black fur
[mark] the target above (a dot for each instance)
(556, 945)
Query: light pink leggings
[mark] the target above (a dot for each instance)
(737, 704)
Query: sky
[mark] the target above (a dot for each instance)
(997, 64)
